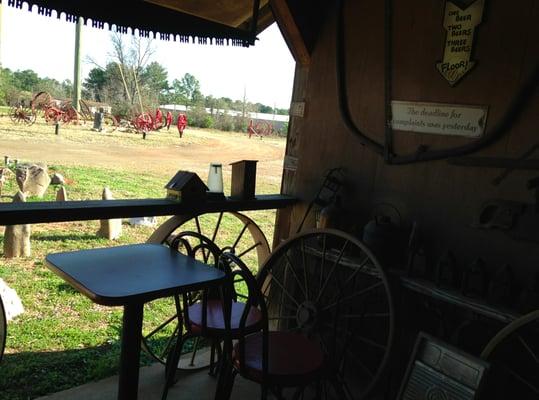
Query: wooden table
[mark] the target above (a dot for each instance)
(129, 276)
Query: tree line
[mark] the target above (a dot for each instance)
(131, 82)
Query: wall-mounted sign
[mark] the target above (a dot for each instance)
(439, 119)
(460, 25)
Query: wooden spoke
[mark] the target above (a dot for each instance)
(170, 341)
(217, 227)
(245, 226)
(160, 327)
(254, 246)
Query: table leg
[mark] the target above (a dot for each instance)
(130, 351)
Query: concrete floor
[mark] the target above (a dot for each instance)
(190, 386)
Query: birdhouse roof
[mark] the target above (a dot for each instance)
(243, 161)
(184, 178)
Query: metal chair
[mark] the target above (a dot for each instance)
(203, 316)
(274, 359)
(3, 328)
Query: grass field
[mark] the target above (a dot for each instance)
(63, 339)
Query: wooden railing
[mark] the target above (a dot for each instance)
(53, 211)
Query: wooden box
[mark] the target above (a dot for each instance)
(243, 179)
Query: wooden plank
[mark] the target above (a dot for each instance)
(290, 31)
(451, 296)
(283, 219)
(41, 212)
(495, 162)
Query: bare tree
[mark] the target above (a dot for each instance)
(125, 65)
(131, 59)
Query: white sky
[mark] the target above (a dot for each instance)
(46, 45)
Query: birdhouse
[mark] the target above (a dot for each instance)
(243, 179)
(186, 186)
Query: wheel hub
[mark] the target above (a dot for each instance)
(306, 315)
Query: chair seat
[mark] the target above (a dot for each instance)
(293, 359)
(214, 319)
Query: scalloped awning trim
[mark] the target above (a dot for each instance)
(144, 19)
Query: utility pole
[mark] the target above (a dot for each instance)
(76, 77)
(244, 99)
(1, 35)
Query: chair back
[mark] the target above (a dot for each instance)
(201, 248)
(3, 328)
(239, 273)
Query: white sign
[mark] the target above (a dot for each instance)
(439, 119)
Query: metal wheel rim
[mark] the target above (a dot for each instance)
(307, 314)
(521, 349)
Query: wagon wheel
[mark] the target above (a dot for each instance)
(53, 115)
(143, 123)
(30, 116)
(263, 128)
(23, 115)
(13, 114)
(70, 115)
(226, 231)
(514, 357)
(85, 110)
(41, 101)
(328, 285)
(3, 329)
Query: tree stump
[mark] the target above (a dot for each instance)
(17, 237)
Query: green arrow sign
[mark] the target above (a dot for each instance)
(460, 25)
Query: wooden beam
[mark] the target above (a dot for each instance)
(64, 211)
(290, 31)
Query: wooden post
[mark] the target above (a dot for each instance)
(76, 72)
(1, 35)
(124, 81)
(138, 91)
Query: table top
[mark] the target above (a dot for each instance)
(132, 274)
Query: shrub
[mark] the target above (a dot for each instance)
(240, 124)
(224, 122)
(198, 118)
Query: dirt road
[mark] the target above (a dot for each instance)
(163, 152)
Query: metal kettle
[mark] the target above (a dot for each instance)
(380, 232)
(384, 238)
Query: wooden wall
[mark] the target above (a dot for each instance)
(442, 198)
